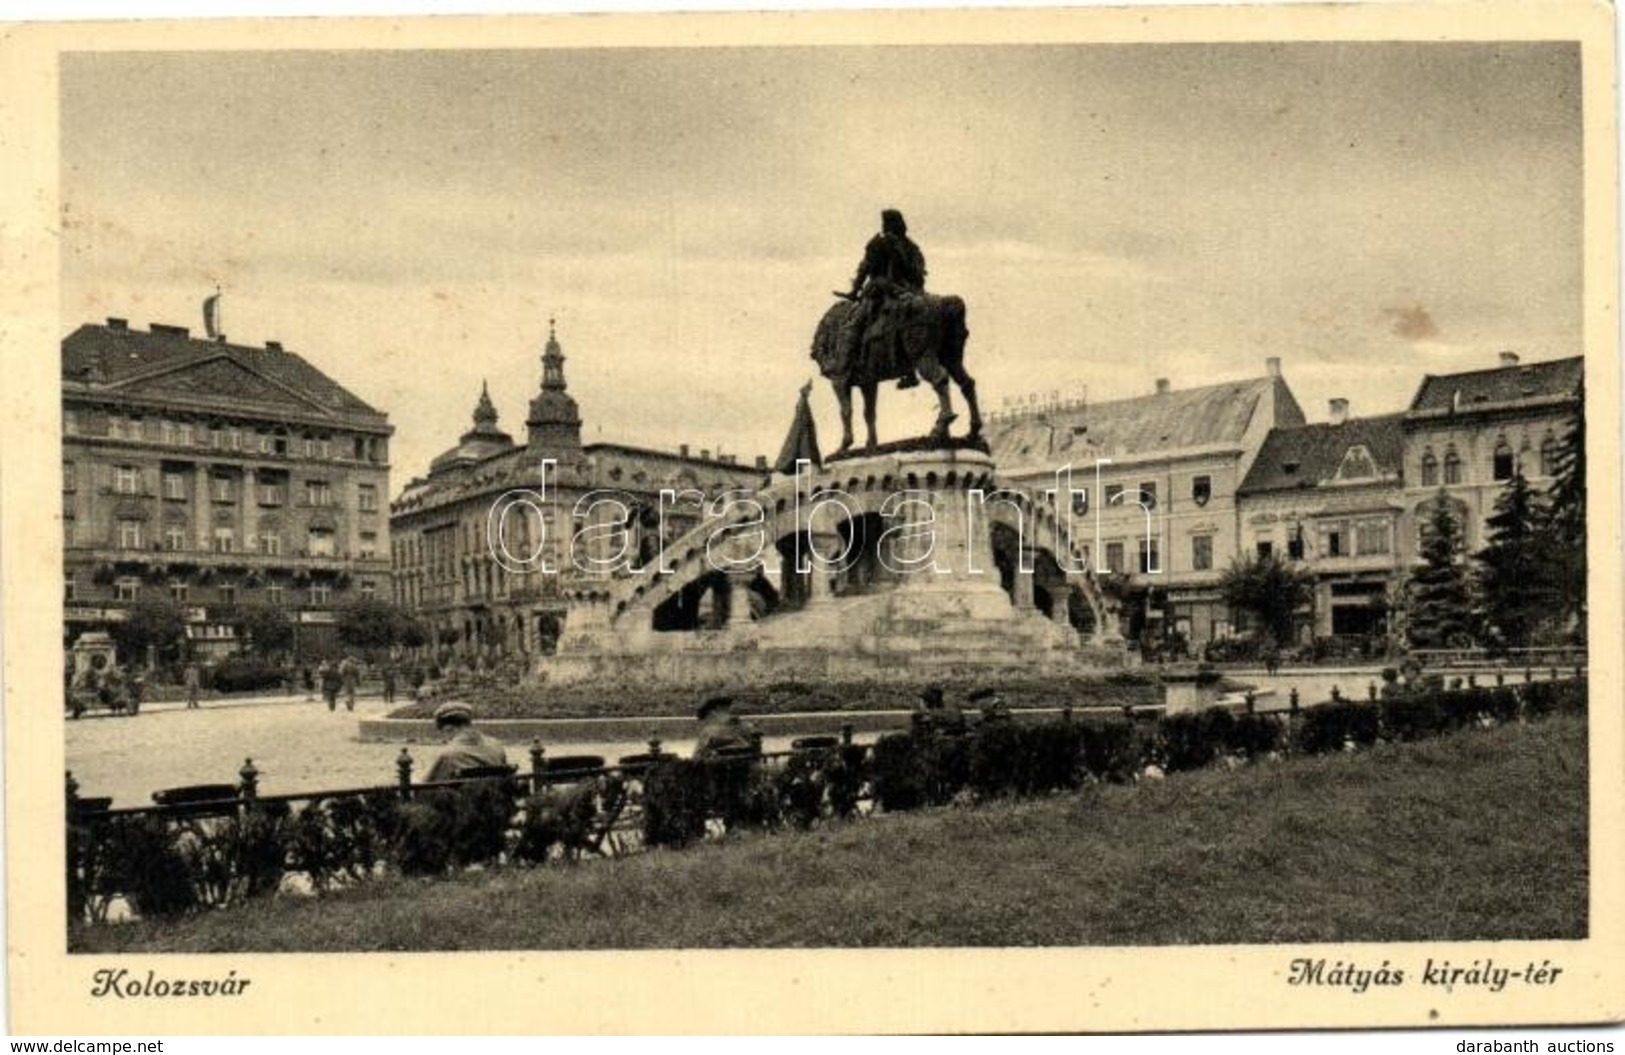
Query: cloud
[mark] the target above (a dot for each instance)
(1413, 323)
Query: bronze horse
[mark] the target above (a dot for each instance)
(921, 335)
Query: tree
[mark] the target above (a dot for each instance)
(158, 623)
(1566, 518)
(1269, 589)
(1439, 594)
(373, 625)
(266, 628)
(1517, 585)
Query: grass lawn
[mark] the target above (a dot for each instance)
(1478, 835)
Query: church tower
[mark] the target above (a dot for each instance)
(554, 422)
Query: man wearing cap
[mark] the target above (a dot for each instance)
(938, 716)
(720, 729)
(994, 709)
(467, 748)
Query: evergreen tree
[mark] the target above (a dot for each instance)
(1439, 594)
(1516, 580)
(1566, 520)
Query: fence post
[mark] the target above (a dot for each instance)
(1528, 674)
(1292, 699)
(403, 771)
(1371, 691)
(1128, 711)
(1066, 714)
(73, 792)
(1500, 678)
(1252, 702)
(1472, 681)
(846, 734)
(654, 747)
(538, 762)
(251, 780)
(1579, 671)
(1554, 673)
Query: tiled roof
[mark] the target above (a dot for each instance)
(1170, 421)
(1308, 455)
(1555, 378)
(168, 361)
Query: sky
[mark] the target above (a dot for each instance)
(1111, 214)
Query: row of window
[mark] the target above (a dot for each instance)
(1504, 462)
(128, 590)
(225, 488)
(242, 438)
(1337, 540)
(1146, 493)
(319, 542)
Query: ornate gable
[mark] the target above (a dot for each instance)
(215, 378)
(1357, 464)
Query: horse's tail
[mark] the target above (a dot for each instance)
(826, 342)
(951, 319)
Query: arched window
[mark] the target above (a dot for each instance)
(1430, 469)
(1452, 467)
(1503, 463)
(1548, 455)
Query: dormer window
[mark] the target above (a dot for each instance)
(1290, 466)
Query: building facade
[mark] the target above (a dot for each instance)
(1327, 496)
(1154, 483)
(1467, 433)
(217, 475)
(485, 544)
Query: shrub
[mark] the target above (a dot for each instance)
(1463, 707)
(345, 837)
(143, 862)
(674, 802)
(1055, 755)
(562, 817)
(1555, 697)
(461, 825)
(902, 777)
(238, 857)
(999, 759)
(1412, 716)
(245, 675)
(1255, 735)
(1112, 750)
(1326, 727)
(1188, 740)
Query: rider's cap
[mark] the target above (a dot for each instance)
(890, 218)
(453, 714)
(931, 694)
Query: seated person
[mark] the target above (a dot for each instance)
(994, 709)
(937, 716)
(466, 747)
(720, 729)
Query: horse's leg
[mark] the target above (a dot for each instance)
(967, 388)
(945, 410)
(843, 395)
(870, 398)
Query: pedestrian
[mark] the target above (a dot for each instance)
(389, 683)
(310, 681)
(191, 679)
(137, 690)
(328, 674)
(350, 676)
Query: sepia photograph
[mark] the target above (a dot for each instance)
(887, 485)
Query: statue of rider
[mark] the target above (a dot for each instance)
(892, 266)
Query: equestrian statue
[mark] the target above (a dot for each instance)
(887, 328)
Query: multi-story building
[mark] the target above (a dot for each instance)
(1154, 481)
(485, 544)
(1328, 496)
(217, 475)
(1468, 433)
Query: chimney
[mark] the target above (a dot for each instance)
(682, 451)
(1272, 366)
(1339, 410)
(761, 462)
(705, 454)
(273, 346)
(1162, 386)
(117, 324)
(1509, 358)
(168, 330)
